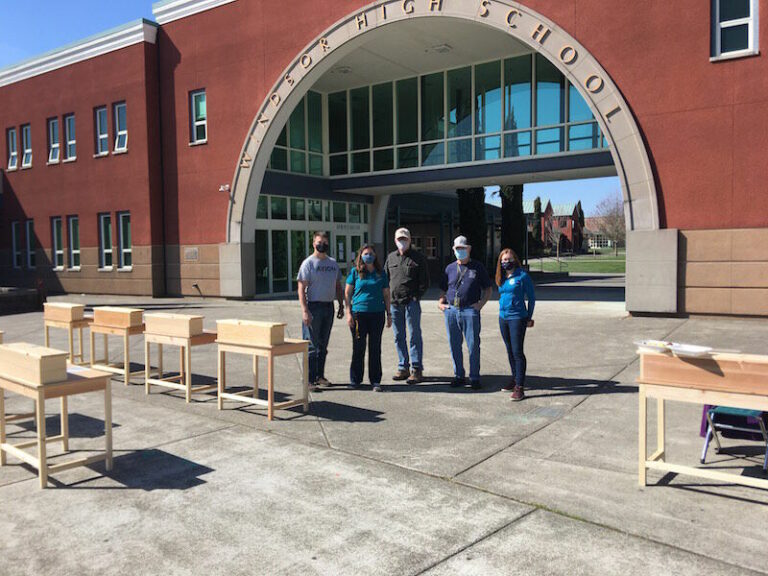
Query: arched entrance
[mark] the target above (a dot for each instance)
(540, 34)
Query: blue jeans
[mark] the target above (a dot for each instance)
(368, 326)
(464, 324)
(513, 334)
(318, 333)
(409, 314)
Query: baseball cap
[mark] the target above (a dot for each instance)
(402, 233)
(461, 242)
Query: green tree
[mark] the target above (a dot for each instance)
(513, 226)
(536, 233)
(472, 222)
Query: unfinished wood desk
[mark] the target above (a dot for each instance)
(290, 346)
(17, 417)
(122, 322)
(80, 380)
(71, 318)
(735, 380)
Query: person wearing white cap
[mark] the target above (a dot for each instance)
(408, 281)
(466, 288)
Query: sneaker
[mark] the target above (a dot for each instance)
(313, 387)
(323, 382)
(377, 388)
(509, 386)
(457, 382)
(401, 375)
(518, 394)
(416, 377)
(476, 385)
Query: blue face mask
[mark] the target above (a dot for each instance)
(369, 258)
(461, 253)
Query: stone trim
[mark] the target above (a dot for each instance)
(170, 10)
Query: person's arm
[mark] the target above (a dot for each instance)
(348, 290)
(306, 315)
(442, 302)
(423, 276)
(340, 298)
(386, 294)
(485, 286)
(486, 295)
(531, 295)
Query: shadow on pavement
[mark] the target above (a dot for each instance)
(80, 426)
(344, 413)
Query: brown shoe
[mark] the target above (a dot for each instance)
(400, 376)
(518, 394)
(416, 377)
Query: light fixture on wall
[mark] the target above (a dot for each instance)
(440, 49)
(224, 188)
(341, 70)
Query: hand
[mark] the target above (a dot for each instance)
(340, 313)
(350, 320)
(442, 306)
(530, 323)
(389, 320)
(306, 317)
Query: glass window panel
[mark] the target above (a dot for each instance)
(315, 210)
(365, 213)
(408, 157)
(200, 133)
(262, 207)
(578, 110)
(407, 103)
(125, 222)
(734, 9)
(296, 128)
(488, 98)
(517, 144)
(383, 159)
(354, 213)
(261, 246)
(337, 121)
(339, 212)
(460, 102)
(315, 165)
(518, 73)
(328, 218)
(360, 114)
(338, 165)
(282, 139)
(354, 246)
(121, 117)
(734, 38)
(298, 209)
(550, 87)
(279, 159)
(549, 141)
(488, 148)
(432, 107)
(433, 154)
(280, 281)
(460, 151)
(298, 252)
(200, 108)
(383, 115)
(298, 161)
(315, 121)
(584, 136)
(361, 162)
(279, 208)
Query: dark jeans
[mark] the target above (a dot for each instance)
(368, 326)
(318, 333)
(513, 333)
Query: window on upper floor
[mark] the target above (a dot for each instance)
(13, 149)
(53, 141)
(102, 130)
(57, 245)
(735, 27)
(70, 152)
(26, 145)
(121, 127)
(198, 117)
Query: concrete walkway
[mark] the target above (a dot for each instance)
(417, 480)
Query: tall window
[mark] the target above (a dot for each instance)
(16, 239)
(53, 140)
(105, 241)
(735, 27)
(13, 150)
(30, 238)
(102, 131)
(74, 242)
(121, 127)
(70, 152)
(199, 117)
(26, 145)
(57, 246)
(124, 225)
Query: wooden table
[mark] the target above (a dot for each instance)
(735, 380)
(70, 326)
(80, 380)
(185, 344)
(290, 346)
(104, 365)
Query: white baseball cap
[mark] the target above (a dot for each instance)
(461, 242)
(402, 233)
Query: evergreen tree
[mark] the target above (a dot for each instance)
(472, 222)
(537, 223)
(513, 225)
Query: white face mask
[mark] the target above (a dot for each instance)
(402, 244)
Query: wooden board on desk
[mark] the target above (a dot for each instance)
(738, 373)
(117, 316)
(33, 363)
(251, 332)
(63, 311)
(181, 325)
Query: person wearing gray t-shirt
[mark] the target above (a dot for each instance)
(319, 281)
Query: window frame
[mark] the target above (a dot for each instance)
(753, 24)
(29, 233)
(54, 146)
(71, 250)
(99, 136)
(194, 122)
(13, 151)
(57, 250)
(16, 244)
(26, 140)
(122, 250)
(103, 248)
(118, 132)
(70, 139)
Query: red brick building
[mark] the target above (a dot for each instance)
(206, 146)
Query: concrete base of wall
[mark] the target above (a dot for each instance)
(652, 271)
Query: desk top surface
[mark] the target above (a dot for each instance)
(75, 375)
(288, 344)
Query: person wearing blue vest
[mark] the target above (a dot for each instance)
(367, 297)
(515, 286)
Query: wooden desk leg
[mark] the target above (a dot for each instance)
(147, 364)
(80, 342)
(127, 358)
(660, 429)
(222, 377)
(47, 332)
(2, 426)
(305, 380)
(64, 424)
(71, 336)
(92, 347)
(108, 423)
(271, 385)
(255, 376)
(160, 370)
(642, 439)
(41, 448)
(188, 370)
(106, 349)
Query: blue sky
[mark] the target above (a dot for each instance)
(32, 27)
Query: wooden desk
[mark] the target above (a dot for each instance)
(270, 353)
(70, 326)
(104, 365)
(80, 380)
(736, 380)
(184, 380)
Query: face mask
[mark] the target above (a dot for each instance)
(507, 266)
(402, 244)
(321, 247)
(369, 258)
(461, 253)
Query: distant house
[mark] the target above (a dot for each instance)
(563, 216)
(593, 232)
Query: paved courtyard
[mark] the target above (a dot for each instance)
(417, 480)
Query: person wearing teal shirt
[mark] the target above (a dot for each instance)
(367, 297)
(515, 286)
